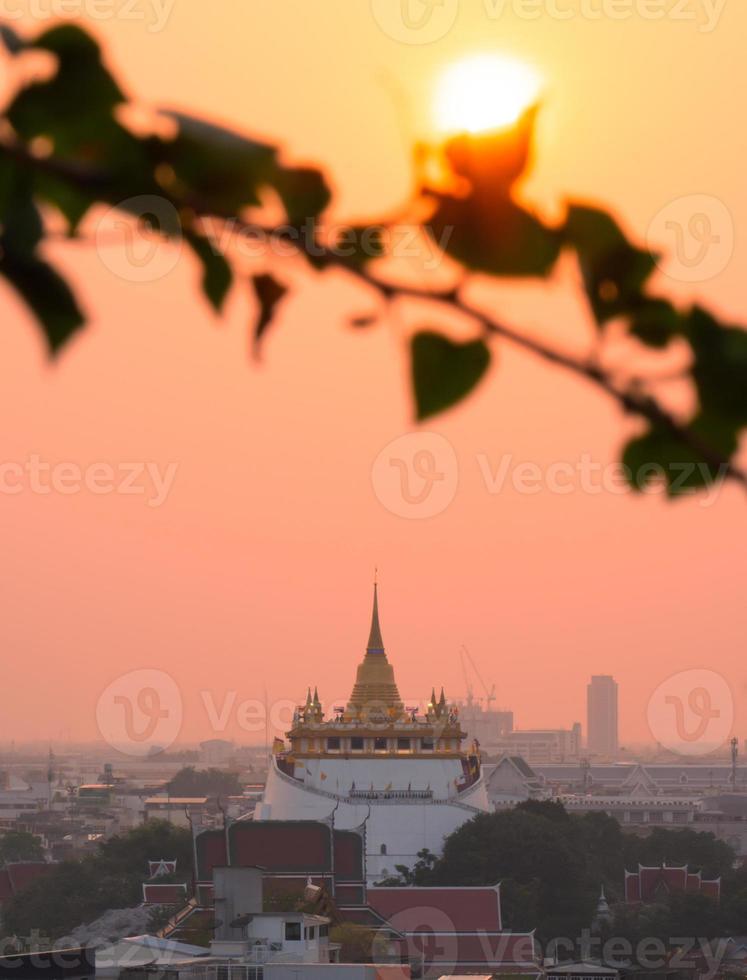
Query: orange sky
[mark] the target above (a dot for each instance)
(256, 570)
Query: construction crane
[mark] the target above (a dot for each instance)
(466, 658)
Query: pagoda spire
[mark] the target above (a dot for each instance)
(375, 688)
(375, 642)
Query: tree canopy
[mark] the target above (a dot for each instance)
(204, 782)
(76, 892)
(552, 864)
(17, 845)
(65, 148)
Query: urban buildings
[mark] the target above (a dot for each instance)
(601, 723)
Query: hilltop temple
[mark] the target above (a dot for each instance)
(397, 775)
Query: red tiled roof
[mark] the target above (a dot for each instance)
(482, 950)
(362, 916)
(302, 846)
(348, 852)
(439, 909)
(25, 873)
(15, 877)
(6, 890)
(632, 887)
(164, 894)
(711, 888)
(350, 894)
(211, 853)
(650, 884)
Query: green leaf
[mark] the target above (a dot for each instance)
(500, 240)
(13, 42)
(72, 202)
(656, 322)
(74, 107)
(216, 272)
(614, 271)
(720, 368)
(357, 245)
(492, 162)
(659, 455)
(219, 171)
(46, 294)
(485, 229)
(268, 292)
(304, 193)
(20, 223)
(41, 287)
(444, 371)
(74, 111)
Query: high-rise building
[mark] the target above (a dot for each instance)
(601, 717)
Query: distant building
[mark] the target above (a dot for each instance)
(486, 725)
(601, 719)
(542, 744)
(216, 751)
(512, 781)
(179, 810)
(637, 813)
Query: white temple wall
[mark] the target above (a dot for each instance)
(402, 827)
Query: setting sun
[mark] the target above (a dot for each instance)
(484, 92)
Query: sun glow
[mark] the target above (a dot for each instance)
(483, 92)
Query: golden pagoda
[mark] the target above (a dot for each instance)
(375, 693)
(395, 774)
(375, 721)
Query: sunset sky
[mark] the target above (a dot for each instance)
(255, 572)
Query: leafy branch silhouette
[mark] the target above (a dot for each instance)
(64, 147)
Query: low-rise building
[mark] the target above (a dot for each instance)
(179, 810)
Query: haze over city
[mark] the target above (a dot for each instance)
(373, 481)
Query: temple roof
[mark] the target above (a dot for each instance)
(375, 689)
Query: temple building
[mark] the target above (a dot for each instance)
(397, 775)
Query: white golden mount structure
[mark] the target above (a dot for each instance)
(398, 776)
